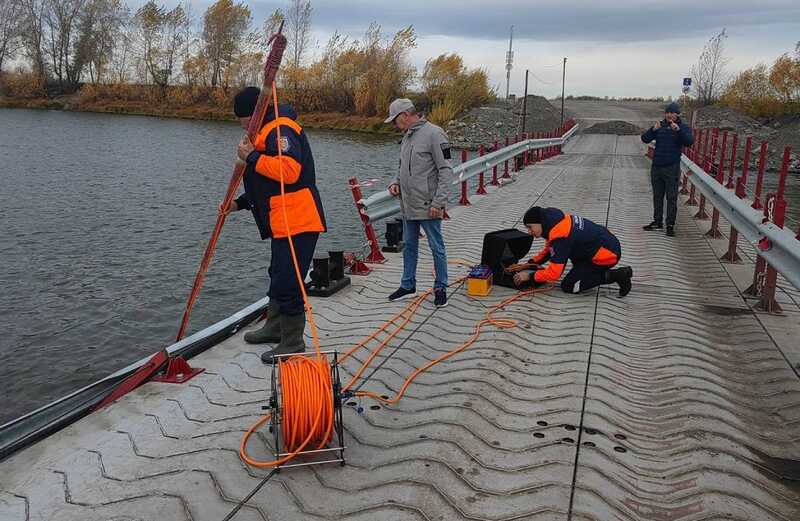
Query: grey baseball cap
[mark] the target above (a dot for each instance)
(397, 107)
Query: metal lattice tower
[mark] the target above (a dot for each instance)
(509, 59)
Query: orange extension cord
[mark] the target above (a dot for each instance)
(306, 386)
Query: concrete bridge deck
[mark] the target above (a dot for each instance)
(677, 402)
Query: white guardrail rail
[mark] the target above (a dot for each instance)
(382, 204)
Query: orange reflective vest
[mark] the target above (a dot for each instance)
(262, 179)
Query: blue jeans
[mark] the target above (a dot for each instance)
(433, 230)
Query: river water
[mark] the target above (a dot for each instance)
(104, 222)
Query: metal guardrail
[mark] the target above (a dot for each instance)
(382, 204)
(783, 252)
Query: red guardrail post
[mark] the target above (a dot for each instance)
(787, 152)
(505, 165)
(708, 168)
(734, 149)
(375, 255)
(694, 157)
(776, 210)
(714, 232)
(746, 160)
(481, 188)
(733, 237)
(762, 162)
(494, 181)
(741, 192)
(709, 133)
(761, 265)
(464, 200)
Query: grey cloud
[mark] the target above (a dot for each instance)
(568, 20)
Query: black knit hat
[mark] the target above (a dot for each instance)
(533, 215)
(244, 104)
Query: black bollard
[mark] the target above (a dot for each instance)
(327, 275)
(336, 264)
(320, 273)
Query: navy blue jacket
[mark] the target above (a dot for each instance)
(669, 143)
(262, 179)
(570, 237)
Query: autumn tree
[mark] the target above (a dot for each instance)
(100, 25)
(162, 36)
(33, 37)
(11, 20)
(298, 31)
(225, 27)
(709, 72)
(784, 77)
(246, 69)
(121, 56)
(452, 88)
(750, 92)
(60, 29)
(383, 71)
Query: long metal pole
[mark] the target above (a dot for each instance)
(525, 103)
(563, 77)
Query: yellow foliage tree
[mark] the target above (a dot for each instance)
(750, 92)
(451, 88)
(785, 78)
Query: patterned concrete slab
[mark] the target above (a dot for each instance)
(673, 403)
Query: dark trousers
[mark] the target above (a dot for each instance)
(283, 287)
(665, 183)
(587, 275)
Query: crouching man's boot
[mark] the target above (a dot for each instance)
(622, 276)
(270, 332)
(292, 327)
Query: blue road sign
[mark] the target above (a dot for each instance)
(687, 82)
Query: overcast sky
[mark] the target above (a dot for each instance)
(619, 48)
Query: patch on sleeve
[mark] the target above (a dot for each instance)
(446, 150)
(284, 144)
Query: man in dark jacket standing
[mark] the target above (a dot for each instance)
(262, 184)
(671, 135)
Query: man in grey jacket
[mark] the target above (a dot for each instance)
(423, 185)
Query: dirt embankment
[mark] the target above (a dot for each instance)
(619, 128)
(490, 123)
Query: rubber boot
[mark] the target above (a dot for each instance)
(270, 332)
(292, 327)
(621, 276)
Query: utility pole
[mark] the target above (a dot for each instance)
(509, 60)
(563, 77)
(525, 102)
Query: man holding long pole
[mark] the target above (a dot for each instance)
(262, 183)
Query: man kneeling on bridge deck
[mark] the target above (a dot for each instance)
(592, 249)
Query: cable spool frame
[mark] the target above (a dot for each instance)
(275, 424)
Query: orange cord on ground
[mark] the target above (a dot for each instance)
(502, 323)
(305, 382)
